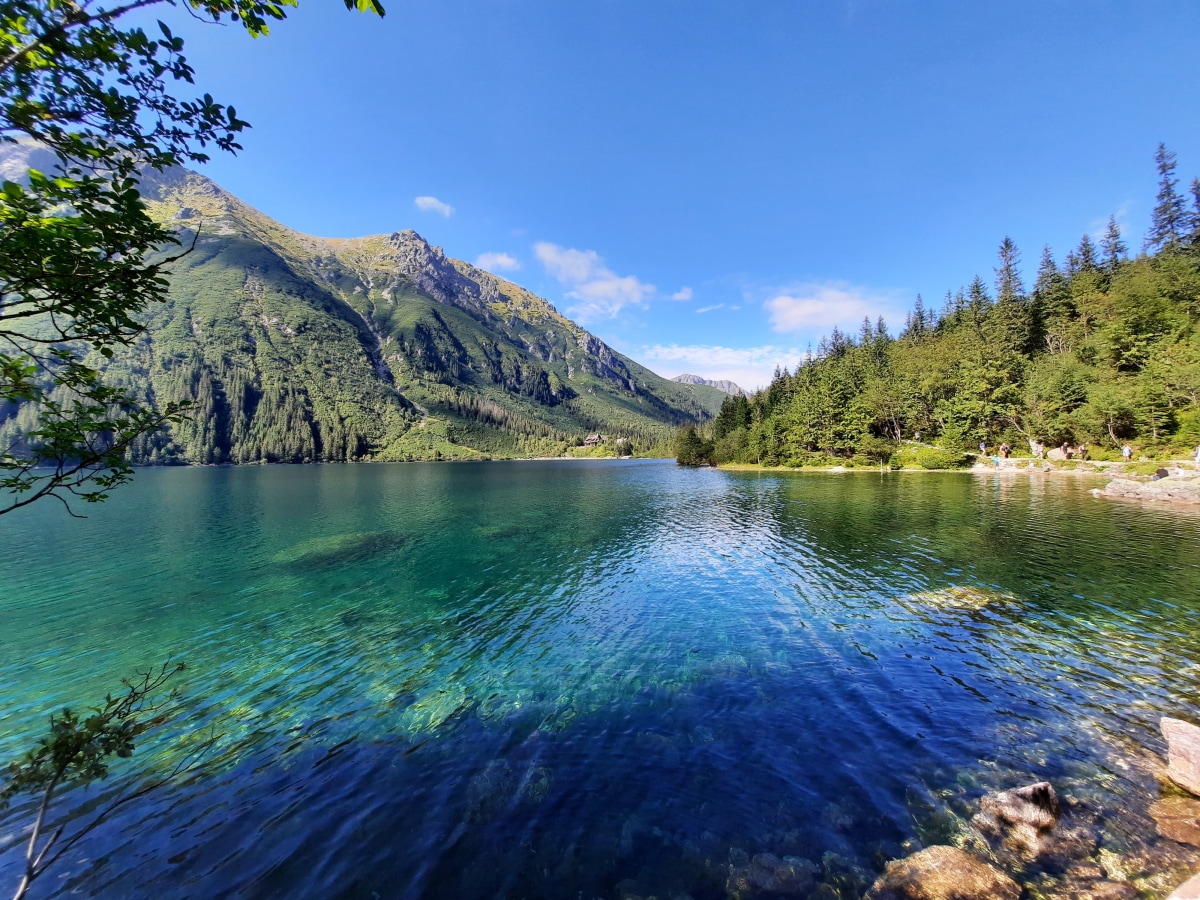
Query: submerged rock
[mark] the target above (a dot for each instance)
(943, 873)
(958, 596)
(1020, 818)
(1183, 753)
(1178, 818)
(766, 875)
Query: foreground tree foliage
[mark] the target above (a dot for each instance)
(1103, 350)
(78, 750)
(80, 259)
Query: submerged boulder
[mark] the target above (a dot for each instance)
(943, 873)
(1020, 818)
(1178, 818)
(766, 875)
(1183, 753)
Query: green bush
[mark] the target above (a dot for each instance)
(939, 458)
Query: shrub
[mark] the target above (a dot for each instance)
(939, 458)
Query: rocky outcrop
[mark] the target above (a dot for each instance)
(1171, 489)
(723, 385)
(1020, 818)
(943, 873)
(1177, 818)
(1183, 753)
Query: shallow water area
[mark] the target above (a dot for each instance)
(597, 679)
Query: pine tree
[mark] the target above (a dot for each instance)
(1083, 258)
(1169, 219)
(1194, 240)
(1114, 248)
(1008, 280)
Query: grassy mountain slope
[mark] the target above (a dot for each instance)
(297, 348)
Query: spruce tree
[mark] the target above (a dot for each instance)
(1008, 280)
(1084, 257)
(1114, 248)
(1194, 240)
(1168, 222)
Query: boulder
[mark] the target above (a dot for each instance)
(1172, 490)
(766, 875)
(942, 873)
(1178, 818)
(1189, 890)
(1183, 753)
(1020, 818)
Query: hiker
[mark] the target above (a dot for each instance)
(1005, 450)
(1127, 453)
(983, 448)
(1083, 451)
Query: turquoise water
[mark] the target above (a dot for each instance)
(593, 679)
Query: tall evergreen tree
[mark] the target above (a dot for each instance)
(1009, 287)
(1114, 248)
(1194, 240)
(1168, 222)
(1083, 257)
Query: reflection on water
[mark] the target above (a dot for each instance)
(600, 679)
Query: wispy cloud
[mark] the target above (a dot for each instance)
(814, 308)
(433, 205)
(684, 293)
(598, 292)
(708, 309)
(748, 367)
(497, 262)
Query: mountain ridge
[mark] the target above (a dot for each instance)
(295, 348)
(724, 385)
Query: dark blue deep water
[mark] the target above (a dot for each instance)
(591, 679)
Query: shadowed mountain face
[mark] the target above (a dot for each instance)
(297, 348)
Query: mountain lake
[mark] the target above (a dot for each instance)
(596, 678)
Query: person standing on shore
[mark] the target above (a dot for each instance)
(1196, 457)
(1127, 453)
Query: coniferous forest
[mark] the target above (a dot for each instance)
(1101, 348)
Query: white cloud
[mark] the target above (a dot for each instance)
(598, 291)
(816, 308)
(497, 262)
(433, 205)
(708, 309)
(684, 293)
(747, 367)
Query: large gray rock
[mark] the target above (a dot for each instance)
(1183, 753)
(943, 873)
(1189, 890)
(1172, 490)
(1020, 818)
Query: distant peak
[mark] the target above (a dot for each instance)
(723, 385)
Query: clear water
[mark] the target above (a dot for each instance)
(592, 679)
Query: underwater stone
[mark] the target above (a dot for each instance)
(943, 873)
(1178, 818)
(1021, 816)
(1183, 753)
(766, 875)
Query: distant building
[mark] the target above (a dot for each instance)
(593, 439)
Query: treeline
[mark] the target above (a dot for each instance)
(1103, 349)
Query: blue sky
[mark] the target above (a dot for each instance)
(711, 186)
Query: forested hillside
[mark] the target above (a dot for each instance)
(291, 348)
(1102, 349)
